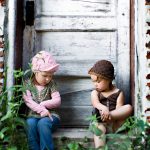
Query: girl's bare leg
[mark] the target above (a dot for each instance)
(117, 125)
(120, 114)
(98, 141)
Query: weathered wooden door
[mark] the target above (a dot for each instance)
(78, 33)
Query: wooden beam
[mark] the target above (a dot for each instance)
(132, 51)
(19, 35)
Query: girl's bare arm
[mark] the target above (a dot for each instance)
(120, 100)
(95, 102)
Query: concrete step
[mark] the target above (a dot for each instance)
(63, 136)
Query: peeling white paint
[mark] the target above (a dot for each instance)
(11, 40)
(142, 65)
(140, 62)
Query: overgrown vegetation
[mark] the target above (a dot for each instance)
(67, 144)
(12, 124)
(134, 134)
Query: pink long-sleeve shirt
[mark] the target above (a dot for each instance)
(54, 102)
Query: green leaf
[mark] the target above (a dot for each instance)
(27, 71)
(73, 146)
(12, 148)
(19, 121)
(92, 118)
(7, 116)
(94, 129)
(122, 128)
(3, 131)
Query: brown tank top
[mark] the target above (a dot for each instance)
(109, 101)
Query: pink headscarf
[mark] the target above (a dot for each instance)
(43, 61)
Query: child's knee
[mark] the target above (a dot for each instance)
(31, 122)
(129, 108)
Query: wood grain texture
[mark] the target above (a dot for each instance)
(76, 7)
(123, 65)
(75, 23)
(76, 52)
(75, 115)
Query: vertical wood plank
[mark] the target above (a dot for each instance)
(123, 67)
(19, 36)
(28, 45)
(132, 50)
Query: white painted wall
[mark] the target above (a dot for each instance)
(141, 64)
(11, 40)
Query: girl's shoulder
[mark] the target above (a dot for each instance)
(52, 86)
(115, 89)
(117, 92)
(52, 83)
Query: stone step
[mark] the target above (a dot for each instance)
(63, 136)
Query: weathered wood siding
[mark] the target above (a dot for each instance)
(78, 33)
(72, 49)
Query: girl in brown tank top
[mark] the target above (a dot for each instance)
(107, 99)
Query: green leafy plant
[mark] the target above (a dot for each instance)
(137, 133)
(132, 135)
(12, 124)
(74, 145)
(83, 144)
(93, 128)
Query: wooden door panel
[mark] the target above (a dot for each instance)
(77, 51)
(75, 23)
(75, 116)
(71, 84)
(81, 98)
(76, 99)
(76, 7)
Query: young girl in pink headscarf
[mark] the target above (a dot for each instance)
(42, 98)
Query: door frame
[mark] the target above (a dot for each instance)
(18, 54)
(19, 43)
(132, 51)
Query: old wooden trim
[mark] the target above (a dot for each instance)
(123, 47)
(132, 51)
(19, 35)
